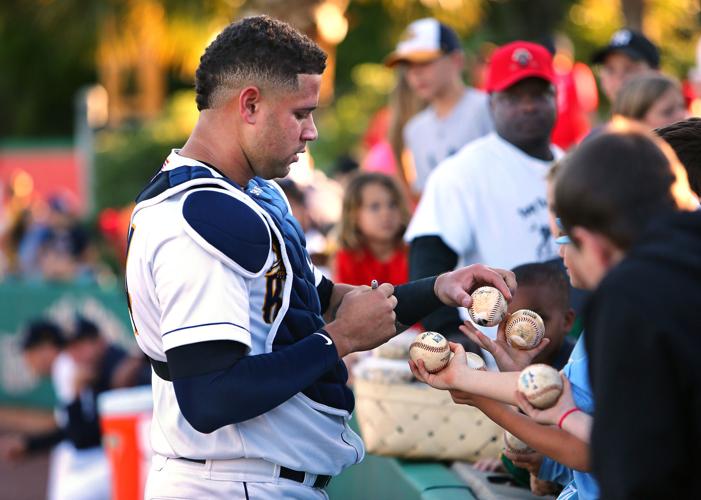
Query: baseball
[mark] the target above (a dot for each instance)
(541, 384)
(475, 361)
(515, 445)
(432, 348)
(488, 306)
(524, 329)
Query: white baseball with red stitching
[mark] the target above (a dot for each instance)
(432, 348)
(524, 329)
(488, 306)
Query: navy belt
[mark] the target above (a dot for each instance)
(285, 473)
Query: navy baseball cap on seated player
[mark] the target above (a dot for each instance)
(633, 44)
(516, 61)
(423, 41)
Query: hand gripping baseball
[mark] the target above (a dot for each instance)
(365, 319)
(508, 358)
(454, 288)
(447, 377)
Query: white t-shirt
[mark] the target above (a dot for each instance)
(183, 291)
(431, 139)
(488, 204)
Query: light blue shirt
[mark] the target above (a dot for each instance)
(579, 485)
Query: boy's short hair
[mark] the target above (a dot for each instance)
(256, 50)
(84, 329)
(685, 139)
(42, 331)
(549, 275)
(614, 183)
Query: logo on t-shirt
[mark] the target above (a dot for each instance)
(532, 212)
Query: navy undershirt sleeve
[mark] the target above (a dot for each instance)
(430, 256)
(325, 289)
(415, 300)
(252, 385)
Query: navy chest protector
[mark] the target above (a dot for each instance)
(303, 316)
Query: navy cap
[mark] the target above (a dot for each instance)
(42, 331)
(632, 43)
(423, 41)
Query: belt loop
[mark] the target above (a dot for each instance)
(207, 469)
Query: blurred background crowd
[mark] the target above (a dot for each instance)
(94, 94)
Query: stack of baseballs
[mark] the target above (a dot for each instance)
(541, 385)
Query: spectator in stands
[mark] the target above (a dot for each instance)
(456, 114)
(373, 221)
(628, 54)
(653, 100)
(488, 202)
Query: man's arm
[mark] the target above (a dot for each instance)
(430, 256)
(207, 375)
(421, 297)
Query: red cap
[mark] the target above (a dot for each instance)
(516, 61)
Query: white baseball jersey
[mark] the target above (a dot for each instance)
(183, 290)
(488, 204)
(432, 138)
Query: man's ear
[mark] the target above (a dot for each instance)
(249, 104)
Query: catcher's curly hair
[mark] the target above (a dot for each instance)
(256, 50)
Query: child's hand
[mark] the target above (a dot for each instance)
(540, 487)
(529, 461)
(462, 397)
(552, 415)
(488, 465)
(444, 379)
(509, 359)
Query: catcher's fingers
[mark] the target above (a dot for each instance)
(500, 279)
(386, 288)
(509, 279)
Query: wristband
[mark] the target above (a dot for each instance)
(567, 414)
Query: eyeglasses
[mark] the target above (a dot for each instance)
(563, 239)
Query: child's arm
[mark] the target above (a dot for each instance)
(555, 443)
(457, 377)
(564, 414)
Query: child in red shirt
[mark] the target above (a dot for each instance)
(373, 221)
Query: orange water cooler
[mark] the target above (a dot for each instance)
(125, 418)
